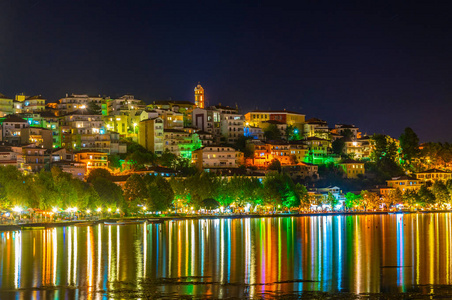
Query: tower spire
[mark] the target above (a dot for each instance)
(199, 96)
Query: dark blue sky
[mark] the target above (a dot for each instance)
(380, 66)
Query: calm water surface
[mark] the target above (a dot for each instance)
(229, 257)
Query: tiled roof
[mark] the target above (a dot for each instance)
(351, 161)
(14, 119)
(433, 171)
(275, 111)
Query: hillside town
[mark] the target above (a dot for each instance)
(122, 140)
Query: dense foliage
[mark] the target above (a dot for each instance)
(55, 189)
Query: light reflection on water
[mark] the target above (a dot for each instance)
(229, 257)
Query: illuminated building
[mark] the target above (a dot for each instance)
(124, 103)
(33, 159)
(288, 154)
(183, 107)
(404, 183)
(33, 104)
(8, 157)
(117, 123)
(11, 127)
(205, 137)
(41, 137)
(358, 149)
(208, 120)
(341, 128)
(231, 123)
(316, 127)
(171, 119)
(256, 117)
(124, 115)
(199, 96)
(82, 130)
(299, 150)
(318, 150)
(150, 135)
(216, 157)
(92, 159)
(74, 102)
(181, 143)
(255, 133)
(433, 175)
(6, 106)
(352, 168)
(280, 150)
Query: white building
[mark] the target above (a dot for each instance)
(217, 157)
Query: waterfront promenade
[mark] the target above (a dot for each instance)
(35, 225)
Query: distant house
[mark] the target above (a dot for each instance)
(404, 183)
(352, 168)
(433, 174)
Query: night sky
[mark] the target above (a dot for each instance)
(382, 67)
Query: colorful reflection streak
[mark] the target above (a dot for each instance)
(230, 257)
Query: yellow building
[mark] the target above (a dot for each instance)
(118, 123)
(434, 174)
(6, 105)
(257, 117)
(352, 168)
(150, 135)
(404, 183)
(199, 96)
(92, 159)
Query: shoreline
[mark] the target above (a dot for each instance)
(160, 220)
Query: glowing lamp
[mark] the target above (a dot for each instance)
(17, 209)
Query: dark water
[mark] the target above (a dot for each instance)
(230, 258)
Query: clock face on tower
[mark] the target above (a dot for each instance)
(27, 103)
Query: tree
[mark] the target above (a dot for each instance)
(426, 196)
(210, 203)
(94, 109)
(393, 197)
(305, 200)
(370, 200)
(440, 192)
(161, 194)
(338, 146)
(384, 156)
(279, 189)
(109, 193)
(275, 165)
(292, 133)
(135, 191)
(352, 200)
(331, 200)
(293, 159)
(114, 161)
(409, 142)
(98, 173)
(410, 197)
(168, 159)
(272, 133)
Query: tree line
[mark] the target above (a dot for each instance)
(56, 189)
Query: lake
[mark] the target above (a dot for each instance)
(220, 258)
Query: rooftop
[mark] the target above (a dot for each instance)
(351, 161)
(14, 119)
(433, 171)
(316, 121)
(276, 112)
